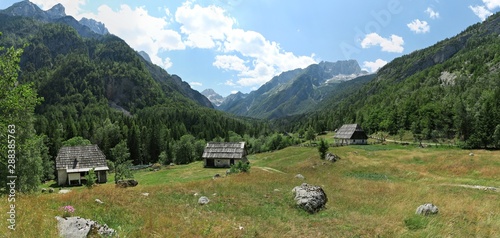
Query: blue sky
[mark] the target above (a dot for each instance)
(238, 45)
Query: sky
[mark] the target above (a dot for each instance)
(238, 45)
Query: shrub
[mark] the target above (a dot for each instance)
(91, 178)
(239, 167)
(416, 222)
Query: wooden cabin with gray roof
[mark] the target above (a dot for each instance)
(224, 154)
(73, 163)
(351, 134)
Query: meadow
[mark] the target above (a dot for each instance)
(373, 191)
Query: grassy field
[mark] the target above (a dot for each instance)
(373, 191)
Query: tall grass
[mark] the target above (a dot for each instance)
(372, 191)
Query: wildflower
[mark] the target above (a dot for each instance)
(67, 210)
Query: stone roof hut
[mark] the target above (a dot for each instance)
(73, 163)
(224, 154)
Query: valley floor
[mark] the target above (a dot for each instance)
(372, 191)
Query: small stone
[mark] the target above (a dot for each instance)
(427, 209)
(299, 176)
(203, 200)
(99, 201)
(145, 194)
(471, 154)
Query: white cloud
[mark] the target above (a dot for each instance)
(393, 44)
(492, 4)
(230, 62)
(255, 59)
(234, 92)
(230, 83)
(375, 65)
(197, 84)
(432, 14)
(72, 7)
(140, 30)
(481, 12)
(485, 11)
(203, 25)
(418, 26)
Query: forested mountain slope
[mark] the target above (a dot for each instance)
(449, 90)
(102, 90)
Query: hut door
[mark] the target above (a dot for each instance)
(231, 162)
(210, 163)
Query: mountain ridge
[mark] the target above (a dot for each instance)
(293, 92)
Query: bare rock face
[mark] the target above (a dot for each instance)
(76, 227)
(310, 198)
(427, 209)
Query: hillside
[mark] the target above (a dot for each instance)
(49, 37)
(100, 89)
(449, 90)
(372, 190)
(293, 92)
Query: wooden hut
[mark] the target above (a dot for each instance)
(351, 134)
(224, 154)
(73, 163)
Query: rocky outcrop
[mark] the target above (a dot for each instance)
(126, 183)
(76, 227)
(310, 198)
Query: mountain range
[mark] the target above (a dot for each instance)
(88, 29)
(292, 92)
(449, 90)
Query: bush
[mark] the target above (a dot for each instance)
(91, 178)
(239, 167)
(416, 222)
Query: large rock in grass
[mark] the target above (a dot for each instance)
(126, 183)
(76, 227)
(331, 157)
(310, 198)
(427, 209)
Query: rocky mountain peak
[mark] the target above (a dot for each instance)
(56, 11)
(214, 97)
(95, 26)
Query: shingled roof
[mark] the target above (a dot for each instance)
(81, 158)
(224, 150)
(350, 131)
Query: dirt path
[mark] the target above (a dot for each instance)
(486, 188)
(270, 170)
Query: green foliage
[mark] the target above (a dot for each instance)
(91, 179)
(416, 222)
(76, 141)
(122, 162)
(111, 166)
(310, 135)
(23, 154)
(322, 148)
(184, 150)
(239, 167)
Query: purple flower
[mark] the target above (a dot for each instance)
(67, 210)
